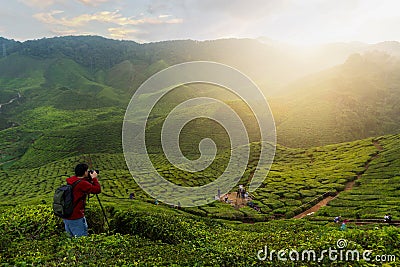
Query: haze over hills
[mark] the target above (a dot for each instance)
(269, 64)
(63, 102)
(319, 95)
(354, 100)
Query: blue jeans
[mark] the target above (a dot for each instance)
(76, 228)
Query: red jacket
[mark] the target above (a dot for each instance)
(80, 191)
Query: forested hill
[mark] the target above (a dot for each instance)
(63, 100)
(270, 65)
(53, 89)
(357, 99)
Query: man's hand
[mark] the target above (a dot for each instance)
(93, 174)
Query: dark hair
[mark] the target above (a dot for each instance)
(80, 169)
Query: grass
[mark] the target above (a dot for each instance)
(376, 192)
(69, 110)
(158, 236)
(50, 136)
(297, 176)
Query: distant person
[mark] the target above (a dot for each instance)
(226, 198)
(388, 218)
(343, 227)
(337, 219)
(132, 195)
(86, 183)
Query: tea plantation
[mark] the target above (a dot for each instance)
(376, 193)
(63, 102)
(297, 177)
(144, 234)
(158, 236)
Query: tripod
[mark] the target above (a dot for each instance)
(97, 196)
(102, 209)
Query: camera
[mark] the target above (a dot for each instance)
(91, 171)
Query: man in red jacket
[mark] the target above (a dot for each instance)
(76, 224)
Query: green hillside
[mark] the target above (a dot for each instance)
(198, 236)
(73, 100)
(358, 99)
(298, 177)
(355, 100)
(376, 193)
(63, 102)
(74, 91)
(156, 236)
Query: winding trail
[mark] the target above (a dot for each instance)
(9, 102)
(349, 186)
(315, 208)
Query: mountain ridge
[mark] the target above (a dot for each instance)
(87, 73)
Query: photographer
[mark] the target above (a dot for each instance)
(85, 183)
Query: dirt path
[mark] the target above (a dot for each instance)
(377, 145)
(235, 201)
(349, 186)
(314, 208)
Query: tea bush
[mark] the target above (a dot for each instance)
(161, 239)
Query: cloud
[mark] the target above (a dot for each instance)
(40, 3)
(112, 24)
(103, 16)
(64, 32)
(120, 33)
(93, 2)
(237, 8)
(295, 21)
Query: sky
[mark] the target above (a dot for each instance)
(301, 22)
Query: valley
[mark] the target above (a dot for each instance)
(63, 102)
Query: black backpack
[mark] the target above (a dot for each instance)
(63, 201)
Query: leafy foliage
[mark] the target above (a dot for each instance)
(375, 194)
(184, 241)
(71, 96)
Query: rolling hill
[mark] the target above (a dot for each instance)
(297, 178)
(58, 77)
(355, 100)
(338, 128)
